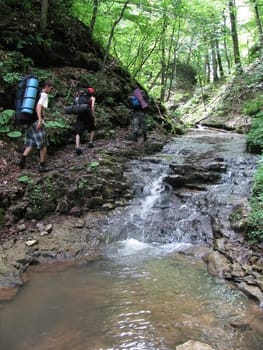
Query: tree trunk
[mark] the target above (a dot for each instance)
(258, 22)
(43, 15)
(226, 46)
(219, 60)
(94, 15)
(214, 60)
(233, 22)
(207, 68)
(163, 60)
(112, 34)
(172, 60)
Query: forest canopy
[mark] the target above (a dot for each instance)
(166, 43)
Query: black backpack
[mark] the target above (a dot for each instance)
(27, 96)
(81, 104)
(83, 98)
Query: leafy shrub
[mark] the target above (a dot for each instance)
(6, 124)
(255, 219)
(252, 107)
(255, 135)
(11, 63)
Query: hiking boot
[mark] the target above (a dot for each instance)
(78, 151)
(21, 162)
(42, 168)
(91, 145)
(145, 138)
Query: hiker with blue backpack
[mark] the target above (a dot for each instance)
(33, 106)
(138, 123)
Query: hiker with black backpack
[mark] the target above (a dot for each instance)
(36, 136)
(85, 117)
(138, 123)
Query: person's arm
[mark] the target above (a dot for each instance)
(92, 106)
(42, 103)
(39, 110)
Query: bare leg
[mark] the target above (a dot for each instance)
(77, 141)
(43, 154)
(91, 138)
(78, 150)
(92, 133)
(27, 151)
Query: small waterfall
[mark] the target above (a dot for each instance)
(161, 215)
(153, 191)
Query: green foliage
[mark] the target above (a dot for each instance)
(11, 66)
(56, 130)
(6, 118)
(59, 123)
(171, 123)
(25, 179)
(94, 165)
(82, 183)
(255, 219)
(252, 107)
(255, 135)
(36, 197)
(14, 134)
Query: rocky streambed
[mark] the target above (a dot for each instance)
(78, 193)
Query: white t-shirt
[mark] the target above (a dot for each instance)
(43, 101)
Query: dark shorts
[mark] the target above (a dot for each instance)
(85, 122)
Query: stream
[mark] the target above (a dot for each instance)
(151, 289)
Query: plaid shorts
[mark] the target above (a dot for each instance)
(36, 138)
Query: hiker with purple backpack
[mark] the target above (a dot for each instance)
(138, 123)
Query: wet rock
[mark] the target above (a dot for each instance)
(108, 206)
(43, 233)
(21, 227)
(258, 267)
(3, 266)
(242, 325)
(79, 223)
(40, 226)
(199, 252)
(218, 265)
(31, 242)
(75, 211)
(259, 280)
(252, 291)
(95, 202)
(11, 279)
(63, 206)
(48, 228)
(250, 280)
(220, 244)
(188, 174)
(238, 217)
(237, 271)
(194, 345)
